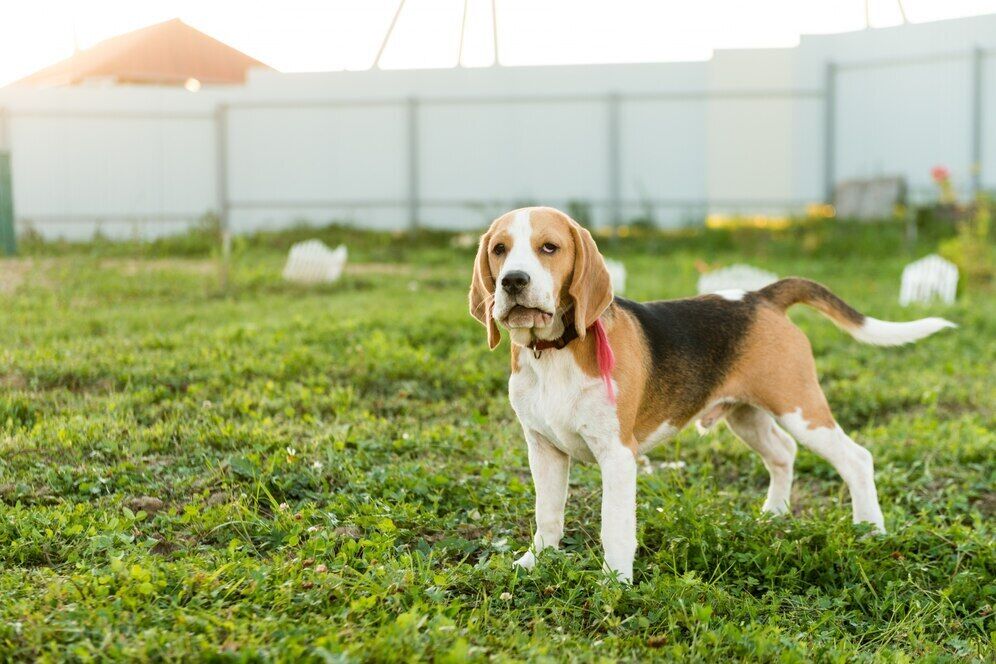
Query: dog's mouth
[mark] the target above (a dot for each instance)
(520, 316)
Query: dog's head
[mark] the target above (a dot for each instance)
(533, 265)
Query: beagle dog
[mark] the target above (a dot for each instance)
(605, 379)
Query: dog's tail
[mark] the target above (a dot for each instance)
(783, 294)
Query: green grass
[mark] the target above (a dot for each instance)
(335, 474)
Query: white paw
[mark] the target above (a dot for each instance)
(527, 561)
(623, 573)
(775, 509)
(875, 520)
(878, 528)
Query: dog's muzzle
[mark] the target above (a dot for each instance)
(517, 305)
(513, 282)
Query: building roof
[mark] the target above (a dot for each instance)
(166, 53)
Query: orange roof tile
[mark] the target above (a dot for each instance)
(166, 53)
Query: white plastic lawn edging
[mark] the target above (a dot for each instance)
(735, 277)
(312, 262)
(617, 276)
(928, 279)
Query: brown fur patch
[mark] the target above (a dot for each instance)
(772, 367)
(793, 290)
(691, 346)
(553, 226)
(631, 370)
(776, 371)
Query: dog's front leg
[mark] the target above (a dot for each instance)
(550, 469)
(618, 465)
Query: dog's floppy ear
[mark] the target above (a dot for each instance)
(591, 287)
(482, 292)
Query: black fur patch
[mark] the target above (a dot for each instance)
(693, 345)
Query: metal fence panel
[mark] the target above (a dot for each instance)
(516, 152)
(316, 161)
(116, 170)
(905, 118)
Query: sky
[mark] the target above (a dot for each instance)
(332, 35)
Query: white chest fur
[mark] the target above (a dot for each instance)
(554, 398)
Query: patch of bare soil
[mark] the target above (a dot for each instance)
(13, 272)
(377, 268)
(130, 267)
(986, 503)
(13, 381)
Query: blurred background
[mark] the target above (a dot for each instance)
(135, 120)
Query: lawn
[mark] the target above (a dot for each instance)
(335, 474)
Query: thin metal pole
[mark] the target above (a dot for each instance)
(494, 31)
(413, 165)
(867, 15)
(8, 238)
(829, 131)
(4, 131)
(387, 35)
(902, 11)
(613, 138)
(978, 57)
(221, 190)
(463, 31)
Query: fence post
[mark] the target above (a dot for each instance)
(615, 186)
(8, 240)
(413, 160)
(829, 130)
(221, 190)
(978, 55)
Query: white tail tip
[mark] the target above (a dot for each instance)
(885, 333)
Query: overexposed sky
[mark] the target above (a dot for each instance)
(325, 35)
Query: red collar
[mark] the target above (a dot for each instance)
(569, 335)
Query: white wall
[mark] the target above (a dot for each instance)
(518, 152)
(112, 169)
(905, 120)
(121, 161)
(662, 158)
(742, 132)
(328, 162)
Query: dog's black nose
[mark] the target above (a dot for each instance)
(513, 282)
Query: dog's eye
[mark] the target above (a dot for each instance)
(499, 249)
(548, 248)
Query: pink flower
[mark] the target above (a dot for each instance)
(940, 174)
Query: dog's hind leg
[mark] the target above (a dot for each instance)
(777, 449)
(783, 381)
(550, 469)
(817, 430)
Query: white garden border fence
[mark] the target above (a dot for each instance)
(749, 131)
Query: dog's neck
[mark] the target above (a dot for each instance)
(596, 337)
(569, 334)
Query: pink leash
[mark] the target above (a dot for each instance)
(606, 358)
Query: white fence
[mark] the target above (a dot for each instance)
(765, 131)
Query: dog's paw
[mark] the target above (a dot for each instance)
(623, 574)
(774, 509)
(527, 561)
(877, 530)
